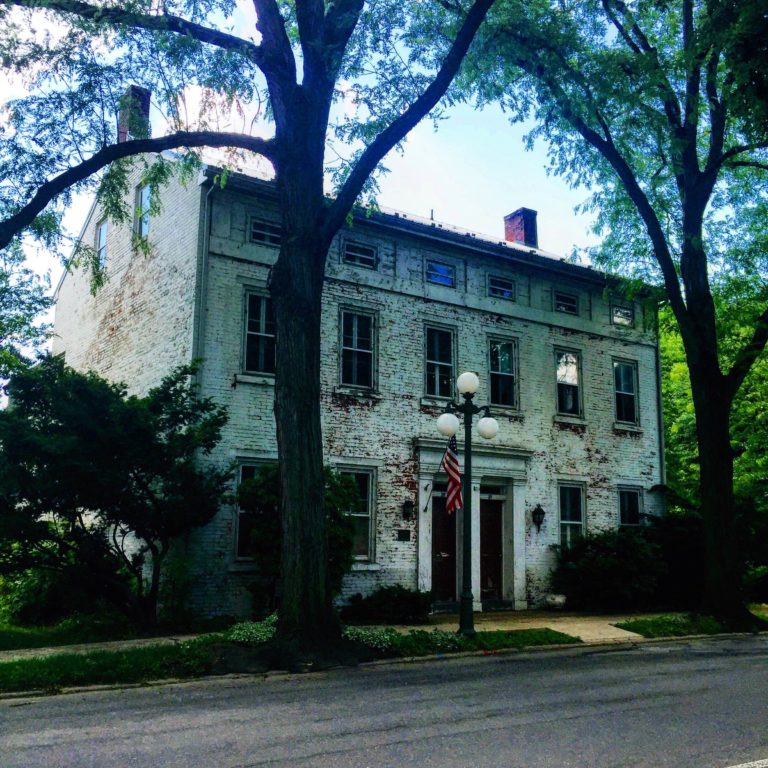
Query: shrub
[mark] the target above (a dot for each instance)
(390, 605)
(613, 570)
(254, 632)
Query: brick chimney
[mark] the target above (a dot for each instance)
(133, 114)
(520, 227)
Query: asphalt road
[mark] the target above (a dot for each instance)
(702, 704)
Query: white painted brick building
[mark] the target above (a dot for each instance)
(571, 374)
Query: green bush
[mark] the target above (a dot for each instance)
(389, 605)
(613, 570)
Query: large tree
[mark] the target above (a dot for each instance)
(300, 57)
(652, 105)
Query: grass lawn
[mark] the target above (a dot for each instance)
(203, 655)
(67, 633)
(673, 625)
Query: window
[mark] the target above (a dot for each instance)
(571, 514)
(501, 288)
(623, 314)
(567, 303)
(625, 386)
(568, 364)
(101, 242)
(248, 521)
(259, 334)
(267, 232)
(357, 344)
(630, 506)
(361, 514)
(439, 362)
(360, 255)
(503, 373)
(143, 203)
(441, 274)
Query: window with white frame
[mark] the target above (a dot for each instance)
(439, 362)
(568, 372)
(362, 513)
(357, 349)
(101, 242)
(623, 313)
(630, 506)
(259, 334)
(503, 372)
(265, 232)
(360, 255)
(567, 303)
(143, 205)
(501, 288)
(439, 273)
(625, 390)
(571, 502)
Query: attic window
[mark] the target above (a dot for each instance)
(501, 288)
(623, 314)
(441, 274)
(266, 232)
(568, 303)
(360, 255)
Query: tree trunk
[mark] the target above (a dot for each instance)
(307, 622)
(723, 597)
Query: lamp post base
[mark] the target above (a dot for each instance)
(466, 615)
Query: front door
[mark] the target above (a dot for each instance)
(491, 516)
(443, 551)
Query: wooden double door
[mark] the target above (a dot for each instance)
(445, 543)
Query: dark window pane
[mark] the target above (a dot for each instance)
(568, 399)
(567, 303)
(570, 504)
(361, 539)
(502, 389)
(501, 288)
(629, 507)
(625, 408)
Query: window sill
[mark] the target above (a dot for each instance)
(506, 412)
(357, 392)
(264, 379)
(621, 426)
(565, 418)
(243, 566)
(432, 401)
(362, 567)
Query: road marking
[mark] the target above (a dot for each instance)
(756, 764)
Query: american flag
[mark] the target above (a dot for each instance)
(451, 466)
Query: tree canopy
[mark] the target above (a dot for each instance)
(93, 478)
(656, 109)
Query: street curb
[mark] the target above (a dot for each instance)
(578, 648)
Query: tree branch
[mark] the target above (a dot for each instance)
(14, 224)
(747, 356)
(155, 23)
(749, 164)
(399, 127)
(278, 64)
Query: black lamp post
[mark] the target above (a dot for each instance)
(448, 425)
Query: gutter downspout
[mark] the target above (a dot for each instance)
(660, 408)
(198, 329)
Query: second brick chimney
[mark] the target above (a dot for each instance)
(520, 227)
(133, 114)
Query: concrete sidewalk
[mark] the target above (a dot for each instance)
(589, 628)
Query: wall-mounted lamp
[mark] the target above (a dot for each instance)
(537, 515)
(408, 508)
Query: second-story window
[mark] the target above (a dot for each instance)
(567, 303)
(440, 273)
(501, 288)
(439, 359)
(359, 255)
(357, 349)
(143, 203)
(259, 334)
(568, 364)
(625, 387)
(266, 232)
(503, 373)
(101, 242)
